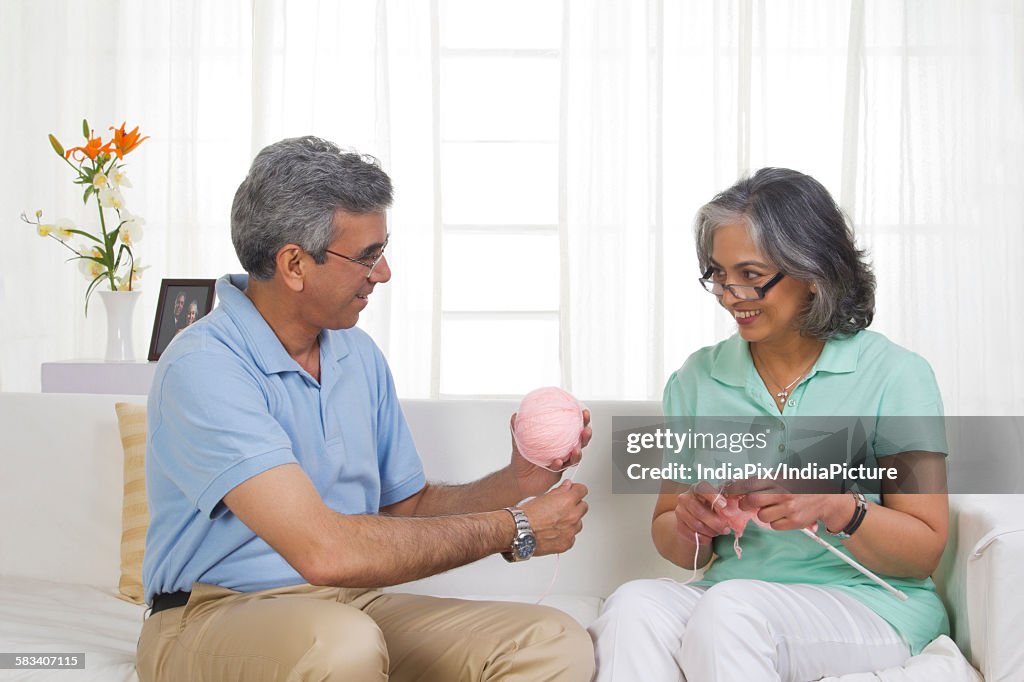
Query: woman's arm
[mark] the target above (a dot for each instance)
(903, 537)
(906, 536)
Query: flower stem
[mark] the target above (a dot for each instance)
(108, 255)
(64, 245)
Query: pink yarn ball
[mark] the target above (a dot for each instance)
(548, 425)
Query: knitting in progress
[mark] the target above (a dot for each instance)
(737, 519)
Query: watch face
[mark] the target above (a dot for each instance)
(525, 546)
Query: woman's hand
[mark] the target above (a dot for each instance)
(784, 510)
(696, 516)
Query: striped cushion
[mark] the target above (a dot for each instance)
(131, 420)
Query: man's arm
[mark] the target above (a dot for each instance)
(282, 506)
(494, 491)
(503, 488)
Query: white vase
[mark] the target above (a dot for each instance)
(120, 305)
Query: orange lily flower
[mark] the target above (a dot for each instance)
(92, 149)
(125, 142)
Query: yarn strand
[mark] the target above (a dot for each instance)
(558, 557)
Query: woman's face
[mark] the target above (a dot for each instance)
(191, 316)
(735, 260)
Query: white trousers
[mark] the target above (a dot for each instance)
(750, 630)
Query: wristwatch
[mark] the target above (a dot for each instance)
(524, 542)
(859, 512)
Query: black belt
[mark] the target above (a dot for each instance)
(169, 600)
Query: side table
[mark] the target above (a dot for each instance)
(98, 376)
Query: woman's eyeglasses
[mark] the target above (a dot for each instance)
(743, 292)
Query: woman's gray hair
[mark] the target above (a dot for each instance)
(796, 224)
(290, 196)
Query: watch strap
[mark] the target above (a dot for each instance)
(859, 512)
(522, 526)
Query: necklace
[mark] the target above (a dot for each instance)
(782, 395)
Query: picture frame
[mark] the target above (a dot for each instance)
(181, 303)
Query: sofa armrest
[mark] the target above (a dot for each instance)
(980, 579)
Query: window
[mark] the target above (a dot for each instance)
(499, 72)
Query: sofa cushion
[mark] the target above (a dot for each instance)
(131, 421)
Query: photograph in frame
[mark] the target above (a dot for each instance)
(181, 303)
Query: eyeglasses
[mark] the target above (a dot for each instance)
(743, 292)
(369, 263)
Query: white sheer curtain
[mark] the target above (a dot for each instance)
(910, 112)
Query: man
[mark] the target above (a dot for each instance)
(179, 307)
(172, 324)
(284, 485)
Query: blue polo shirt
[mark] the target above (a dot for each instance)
(864, 375)
(228, 403)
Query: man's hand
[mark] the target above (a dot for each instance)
(535, 480)
(557, 517)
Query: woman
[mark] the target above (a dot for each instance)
(778, 255)
(190, 316)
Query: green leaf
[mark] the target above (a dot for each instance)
(131, 265)
(85, 128)
(92, 287)
(56, 146)
(85, 196)
(85, 234)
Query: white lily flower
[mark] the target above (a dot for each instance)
(111, 198)
(119, 178)
(63, 228)
(130, 234)
(44, 230)
(131, 227)
(129, 217)
(136, 275)
(90, 268)
(137, 271)
(99, 180)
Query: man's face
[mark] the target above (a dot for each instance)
(179, 304)
(339, 288)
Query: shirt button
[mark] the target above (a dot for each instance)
(792, 403)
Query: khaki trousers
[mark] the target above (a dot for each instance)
(328, 633)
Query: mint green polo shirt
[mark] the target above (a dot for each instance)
(862, 375)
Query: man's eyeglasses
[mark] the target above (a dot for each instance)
(743, 292)
(370, 262)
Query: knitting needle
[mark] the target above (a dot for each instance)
(853, 562)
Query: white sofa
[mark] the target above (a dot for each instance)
(60, 503)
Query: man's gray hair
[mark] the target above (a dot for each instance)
(290, 196)
(798, 226)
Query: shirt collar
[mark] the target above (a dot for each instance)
(264, 346)
(839, 356)
(733, 364)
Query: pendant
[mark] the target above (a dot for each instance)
(782, 395)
